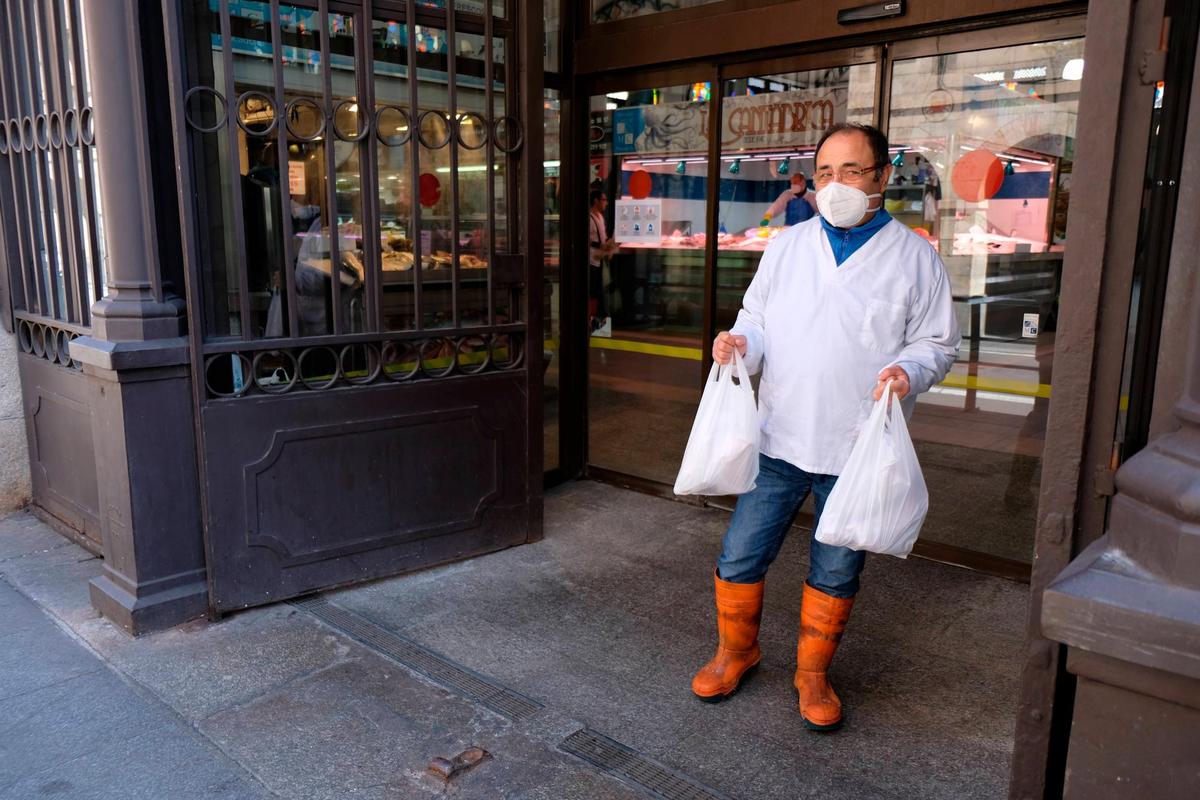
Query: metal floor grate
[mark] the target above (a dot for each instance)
(438, 669)
(633, 767)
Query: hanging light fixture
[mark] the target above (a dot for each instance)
(1009, 169)
(681, 168)
(735, 167)
(898, 159)
(784, 167)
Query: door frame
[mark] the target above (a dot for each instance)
(884, 51)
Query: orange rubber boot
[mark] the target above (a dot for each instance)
(739, 610)
(822, 621)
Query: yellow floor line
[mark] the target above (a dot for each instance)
(953, 381)
(997, 385)
(670, 351)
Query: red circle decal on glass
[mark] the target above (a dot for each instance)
(430, 189)
(977, 176)
(640, 185)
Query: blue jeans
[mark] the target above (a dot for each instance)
(762, 520)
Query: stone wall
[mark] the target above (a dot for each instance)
(15, 490)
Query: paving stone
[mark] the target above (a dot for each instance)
(164, 763)
(351, 726)
(22, 534)
(60, 722)
(202, 668)
(31, 659)
(70, 727)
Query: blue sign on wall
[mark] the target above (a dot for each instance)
(627, 127)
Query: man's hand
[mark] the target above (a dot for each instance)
(899, 378)
(722, 351)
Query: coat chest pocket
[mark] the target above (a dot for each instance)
(883, 326)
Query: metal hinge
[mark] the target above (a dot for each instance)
(1106, 482)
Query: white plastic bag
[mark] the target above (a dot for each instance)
(722, 450)
(879, 501)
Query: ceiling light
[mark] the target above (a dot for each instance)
(1029, 73)
(990, 77)
(1073, 70)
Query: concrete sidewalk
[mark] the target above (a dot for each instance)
(567, 660)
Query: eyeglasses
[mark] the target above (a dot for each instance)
(847, 175)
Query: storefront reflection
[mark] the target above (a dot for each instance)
(984, 148)
(649, 157)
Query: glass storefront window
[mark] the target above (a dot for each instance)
(219, 265)
(984, 150)
(612, 10)
(770, 126)
(299, 166)
(394, 134)
(258, 167)
(646, 287)
(446, 153)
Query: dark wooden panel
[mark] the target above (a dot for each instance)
(316, 489)
(61, 455)
(384, 469)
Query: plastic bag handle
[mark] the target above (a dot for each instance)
(892, 414)
(740, 366)
(881, 411)
(735, 365)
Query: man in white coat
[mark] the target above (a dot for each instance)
(841, 304)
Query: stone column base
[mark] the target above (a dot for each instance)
(1134, 643)
(150, 607)
(144, 435)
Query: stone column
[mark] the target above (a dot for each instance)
(1129, 606)
(136, 359)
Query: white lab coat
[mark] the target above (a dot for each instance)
(821, 333)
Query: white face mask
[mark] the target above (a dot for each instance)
(843, 206)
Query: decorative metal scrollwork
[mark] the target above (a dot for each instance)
(48, 341)
(218, 108)
(350, 122)
(307, 127)
(41, 131)
(434, 129)
(71, 127)
(87, 129)
(51, 130)
(252, 108)
(56, 130)
(323, 367)
(393, 125)
(508, 135)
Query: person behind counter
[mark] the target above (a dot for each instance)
(795, 201)
(600, 247)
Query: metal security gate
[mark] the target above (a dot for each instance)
(362, 274)
(51, 247)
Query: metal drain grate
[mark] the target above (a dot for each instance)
(633, 767)
(437, 668)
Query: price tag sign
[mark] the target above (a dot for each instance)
(296, 177)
